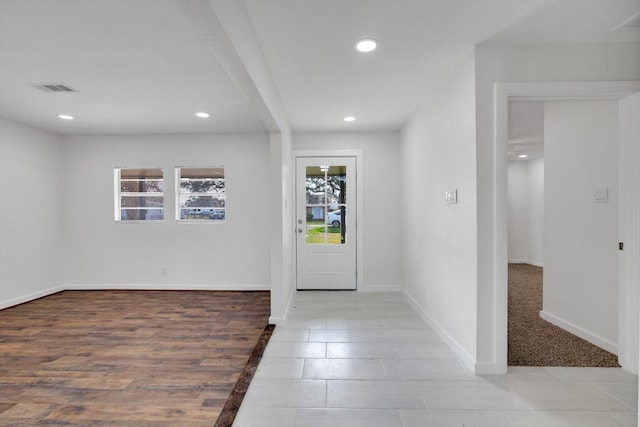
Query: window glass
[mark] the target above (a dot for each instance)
(201, 194)
(326, 203)
(139, 194)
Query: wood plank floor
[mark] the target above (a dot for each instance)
(126, 358)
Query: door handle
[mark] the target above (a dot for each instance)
(300, 230)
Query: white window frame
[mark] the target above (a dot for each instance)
(204, 215)
(118, 194)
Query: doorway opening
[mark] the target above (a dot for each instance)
(541, 327)
(626, 94)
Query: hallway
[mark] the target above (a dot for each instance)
(368, 359)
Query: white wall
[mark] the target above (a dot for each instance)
(282, 234)
(536, 212)
(31, 262)
(581, 236)
(522, 63)
(518, 211)
(526, 211)
(382, 209)
(101, 252)
(439, 244)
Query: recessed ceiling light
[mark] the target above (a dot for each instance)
(366, 45)
(349, 119)
(522, 156)
(65, 117)
(203, 115)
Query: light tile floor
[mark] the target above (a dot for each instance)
(367, 359)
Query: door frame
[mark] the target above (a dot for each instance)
(542, 91)
(359, 206)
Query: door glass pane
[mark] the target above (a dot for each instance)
(326, 204)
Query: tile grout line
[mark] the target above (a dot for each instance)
(597, 386)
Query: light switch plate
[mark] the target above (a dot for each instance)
(451, 196)
(601, 195)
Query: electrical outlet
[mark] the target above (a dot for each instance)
(163, 271)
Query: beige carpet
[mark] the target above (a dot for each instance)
(533, 341)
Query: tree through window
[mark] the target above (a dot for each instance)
(139, 194)
(201, 194)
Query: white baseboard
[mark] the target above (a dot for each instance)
(30, 297)
(282, 321)
(526, 261)
(133, 287)
(490, 369)
(163, 287)
(278, 321)
(380, 288)
(466, 359)
(582, 333)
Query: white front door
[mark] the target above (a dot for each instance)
(326, 222)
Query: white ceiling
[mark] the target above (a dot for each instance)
(146, 66)
(526, 130)
(139, 66)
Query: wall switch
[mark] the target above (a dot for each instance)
(601, 195)
(451, 196)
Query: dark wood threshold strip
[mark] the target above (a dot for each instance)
(230, 409)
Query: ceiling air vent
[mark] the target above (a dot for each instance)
(53, 87)
(631, 24)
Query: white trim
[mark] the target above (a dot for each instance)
(282, 321)
(279, 321)
(30, 297)
(526, 261)
(467, 360)
(380, 288)
(488, 369)
(328, 153)
(541, 91)
(557, 91)
(582, 333)
(163, 287)
(629, 232)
